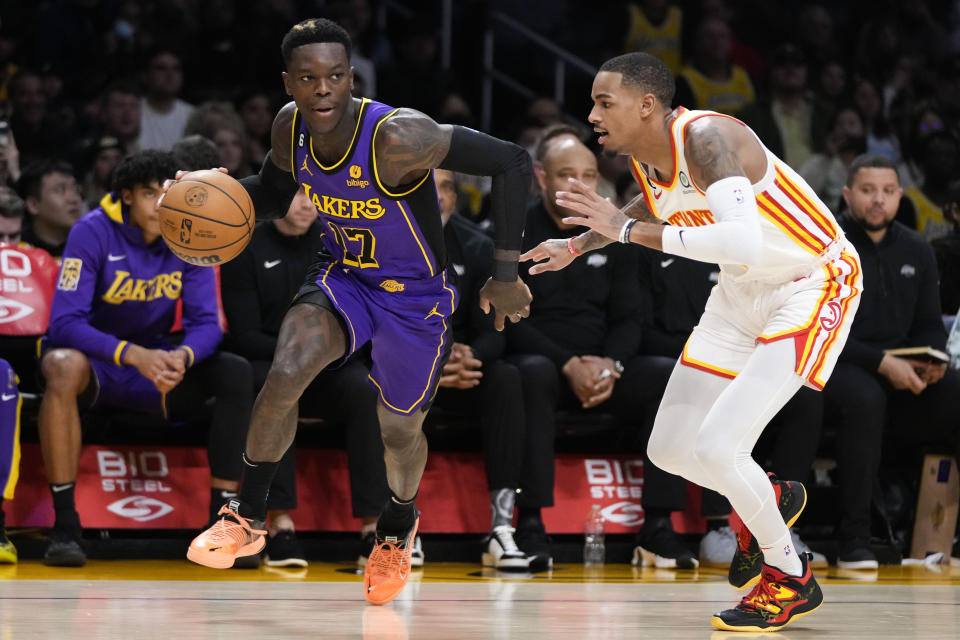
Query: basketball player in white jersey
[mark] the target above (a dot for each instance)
(778, 319)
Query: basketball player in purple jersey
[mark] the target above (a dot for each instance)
(367, 168)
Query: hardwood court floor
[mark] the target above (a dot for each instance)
(176, 600)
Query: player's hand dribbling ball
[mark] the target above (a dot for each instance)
(206, 217)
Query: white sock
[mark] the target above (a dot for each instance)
(782, 555)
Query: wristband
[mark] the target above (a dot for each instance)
(505, 270)
(570, 248)
(625, 230)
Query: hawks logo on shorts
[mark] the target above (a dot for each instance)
(831, 316)
(70, 274)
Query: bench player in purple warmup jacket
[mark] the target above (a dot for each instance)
(109, 342)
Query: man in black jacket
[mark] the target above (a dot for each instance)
(578, 349)
(900, 307)
(257, 288)
(477, 382)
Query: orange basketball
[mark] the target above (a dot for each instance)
(206, 218)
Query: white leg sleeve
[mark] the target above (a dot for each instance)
(688, 398)
(707, 426)
(725, 442)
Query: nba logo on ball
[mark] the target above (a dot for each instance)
(186, 226)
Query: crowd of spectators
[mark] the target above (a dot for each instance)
(88, 86)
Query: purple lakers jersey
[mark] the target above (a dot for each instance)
(380, 234)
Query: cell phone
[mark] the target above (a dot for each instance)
(4, 133)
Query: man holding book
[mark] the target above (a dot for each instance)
(909, 392)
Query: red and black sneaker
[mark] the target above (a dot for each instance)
(776, 601)
(745, 567)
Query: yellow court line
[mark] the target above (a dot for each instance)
(449, 572)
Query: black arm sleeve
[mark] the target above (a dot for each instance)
(510, 167)
(271, 190)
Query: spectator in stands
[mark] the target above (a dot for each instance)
(9, 449)
(195, 152)
(675, 292)
(656, 27)
(29, 276)
(947, 250)
(38, 136)
(258, 287)
(826, 171)
(880, 136)
(939, 160)
(256, 111)
(11, 216)
(105, 155)
(120, 114)
(789, 121)
(711, 81)
(816, 35)
(163, 115)
(477, 382)
(220, 122)
(577, 350)
(9, 159)
(831, 85)
(871, 390)
(108, 343)
(53, 202)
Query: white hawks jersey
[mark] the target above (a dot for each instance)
(798, 231)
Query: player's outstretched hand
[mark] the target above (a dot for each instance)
(596, 212)
(555, 252)
(508, 299)
(169, 183)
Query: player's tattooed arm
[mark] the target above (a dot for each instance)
(409, 144)
(718, 148)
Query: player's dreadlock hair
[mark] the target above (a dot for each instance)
(142, 168)
(645, 72)
(311, 31)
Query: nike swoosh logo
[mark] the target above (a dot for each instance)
(656, 196)
(57, 488)
(113, 258)
(6, 397)
(680, 235)
(270, 264)
(666, 263)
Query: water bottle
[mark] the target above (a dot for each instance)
(953, 343)
(593, 547)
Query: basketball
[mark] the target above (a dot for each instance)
(206, 218)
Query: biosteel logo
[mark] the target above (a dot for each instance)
(140, 508)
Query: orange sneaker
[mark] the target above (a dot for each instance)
(229, 538)
(388, 567)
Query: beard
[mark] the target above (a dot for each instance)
(883, 224)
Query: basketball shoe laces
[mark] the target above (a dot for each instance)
(504, 535)
(232, 527)
(763, 598)
(389, 559)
